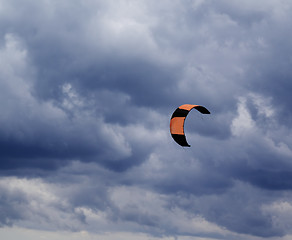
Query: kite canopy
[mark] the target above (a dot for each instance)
(178, 119)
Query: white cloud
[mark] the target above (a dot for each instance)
(38, 204)
(280, 212)
(49, 206)
(243, 123)
(27, 234)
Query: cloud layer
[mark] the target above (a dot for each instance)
(87, 90)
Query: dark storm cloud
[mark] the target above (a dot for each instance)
(87, 90)
(63, 55)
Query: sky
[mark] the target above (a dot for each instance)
(87, 89)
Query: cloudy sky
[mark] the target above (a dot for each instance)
(87, 89)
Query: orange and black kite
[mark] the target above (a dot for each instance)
(178, 119)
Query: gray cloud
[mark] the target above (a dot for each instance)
(87, 90)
